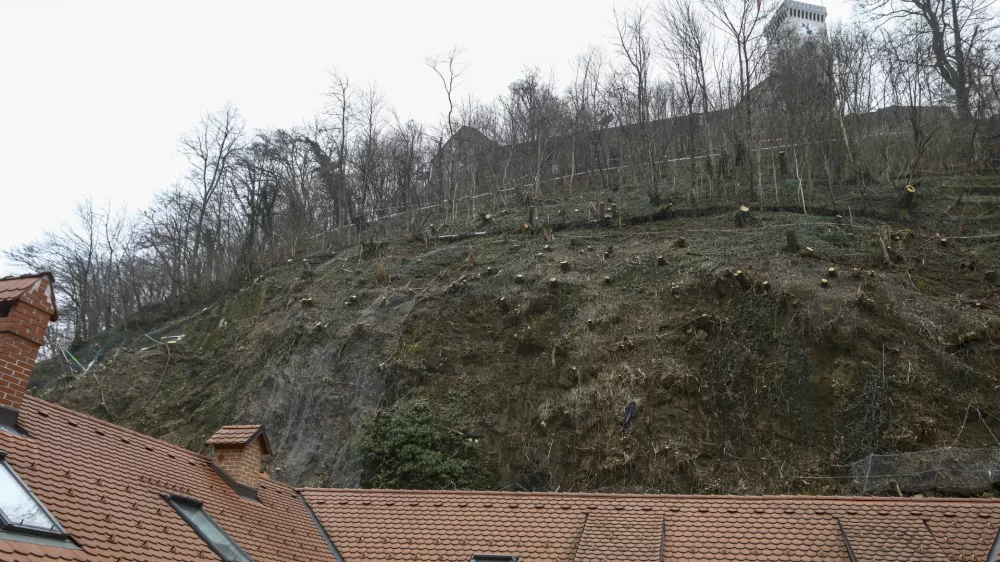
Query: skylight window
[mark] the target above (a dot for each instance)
(495, 558)
(20, 510)
(215, 536)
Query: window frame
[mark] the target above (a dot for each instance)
(174, 499)
(18, 529)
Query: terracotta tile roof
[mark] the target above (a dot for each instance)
(105, 484)
(395, 525)
(238, 435)
(13, 288)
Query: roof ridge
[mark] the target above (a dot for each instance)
(29, 276)
(709, 497)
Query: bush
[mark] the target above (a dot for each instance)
(409, 447)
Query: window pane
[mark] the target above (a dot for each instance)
(19, 507)
(212, 533)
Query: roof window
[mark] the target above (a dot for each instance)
(20, 510)
(214, 536)
(495, 558)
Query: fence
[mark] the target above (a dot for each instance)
(949, 471)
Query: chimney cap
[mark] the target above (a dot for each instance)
(14, 287)
(239, 436)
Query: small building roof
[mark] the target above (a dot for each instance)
(239, 436)
(14, 288)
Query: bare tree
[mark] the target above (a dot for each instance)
(210, 149)
(742, 22)
(954, 30)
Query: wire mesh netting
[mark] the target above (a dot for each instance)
(949, 470)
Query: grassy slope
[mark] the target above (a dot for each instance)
(738, 391)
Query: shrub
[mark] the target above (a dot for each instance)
(407, 446)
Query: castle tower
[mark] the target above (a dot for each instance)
(796, 22)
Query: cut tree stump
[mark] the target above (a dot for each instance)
(743, 280)
(680, 242)
(519, 279)
(831, 272)
(825, 283)
(791, 241)
(808, 252)
(742, 217)
(607, 280)
(564, 266)
(553, 283)
(907, 201)
(661, 261)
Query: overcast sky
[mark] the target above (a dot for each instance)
(94, 95)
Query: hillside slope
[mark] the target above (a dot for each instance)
(739, 387)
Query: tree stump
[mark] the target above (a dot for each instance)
(808, 252)
(564, 266)
(600, 212)
(519, 279)
(791, 241)
(743, 280)
(742, 217)
(831, 273)
(607, 280)
(680, 242)
(531, 217)
(661, 261)
(553, 283)
(825, 283)
(907, 201)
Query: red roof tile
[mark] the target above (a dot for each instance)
(395, 525)
(240, 435)
(105, 484)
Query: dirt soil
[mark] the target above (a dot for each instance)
(748, 373)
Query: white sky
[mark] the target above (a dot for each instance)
(95, 95)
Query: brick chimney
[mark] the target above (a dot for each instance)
(238, 450)
(27, 305)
